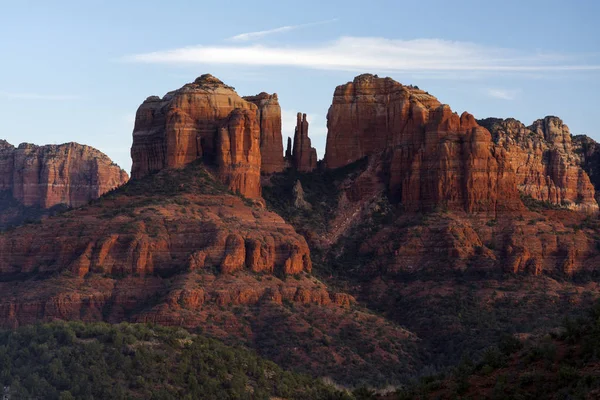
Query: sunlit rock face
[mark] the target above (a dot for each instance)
(208, 119)
(45, 176)
(431, 157)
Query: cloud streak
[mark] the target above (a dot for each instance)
(38, 96)
(503, 94)
(373, 54)
(243, 37)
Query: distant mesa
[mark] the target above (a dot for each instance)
(42, 177)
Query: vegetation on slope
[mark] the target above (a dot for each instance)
(559, 365)
(321, 191)
(133, 361)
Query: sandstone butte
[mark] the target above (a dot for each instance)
(207, 119)
(45, 176)
(435, 158)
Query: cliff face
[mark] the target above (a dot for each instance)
(271, 142)
(546, 162)
(238, 153)
(431, 156)
(45, 176)
(368, 113)
(189, 123)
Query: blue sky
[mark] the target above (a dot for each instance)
(78, 70)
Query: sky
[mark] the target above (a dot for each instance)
(78, 70)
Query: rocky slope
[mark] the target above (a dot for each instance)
(177, 248)
(420, 209)
(456, 233)
(207, 119)
(35, 178)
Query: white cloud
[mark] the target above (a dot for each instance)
(243, 37)
(371, 54)
(38, 96)
(503, 94)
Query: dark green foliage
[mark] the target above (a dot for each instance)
(554, 367)
(133, 361)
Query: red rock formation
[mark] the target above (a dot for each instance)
(157, 237)
(271, 142)
(304, 157)
(433, 157)
(187, 124)
(546, 165)
(238, 153)
(44, 176)
(368, 113)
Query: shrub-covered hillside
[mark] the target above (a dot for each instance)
(133, 361)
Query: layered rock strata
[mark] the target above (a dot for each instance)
(546, 164)
(430, 157)
(271, 142)
(45, 176)
(197, 121)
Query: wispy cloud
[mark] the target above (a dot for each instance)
(503, 94)
(38, 96)
(374, 54)
(243, 37)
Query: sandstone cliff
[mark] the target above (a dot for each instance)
(431, 156)
(368, 113)
(546, 163)
(45, 176)
(189, 123)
